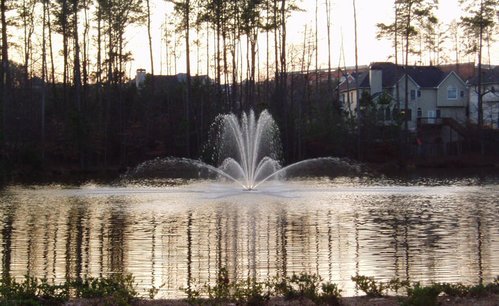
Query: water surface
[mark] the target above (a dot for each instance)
(179, 236)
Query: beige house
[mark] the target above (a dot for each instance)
(432, 93)
(436, 100)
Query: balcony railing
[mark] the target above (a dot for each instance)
(429, 120)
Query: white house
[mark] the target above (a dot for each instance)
(490, 98)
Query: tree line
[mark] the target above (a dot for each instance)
(68, 100)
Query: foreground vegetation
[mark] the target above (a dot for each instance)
(301, 288)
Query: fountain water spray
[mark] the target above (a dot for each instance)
(248, 148)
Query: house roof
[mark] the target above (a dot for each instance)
(489, 76)
(424, 76)
(391, 73)
(349, 82)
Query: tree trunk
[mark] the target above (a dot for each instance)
(85, 52)
(51, 51)
(316, 49)
(5, 71)
(65, 52)
(149, 35)
(28, 27)
(101, 108)
(406, 85)
(328, 26)
(207, 49)
(479, 81)
(77, 85)
(358, 111)
(188, 71)
(44, 76)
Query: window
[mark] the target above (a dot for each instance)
(420, 112)
(462, 94)
(438, 113)
(451, 93)
(413, 94)
(419, 93)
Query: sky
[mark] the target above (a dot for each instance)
(369, 13)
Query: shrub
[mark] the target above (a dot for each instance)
(494, 286)
(331, 294)
(309, 286)
(31, 291)
(251, 292)
(422, 296)
(115, 290)
(453, 289)
(118, 289)
(369, 286)
(221, 291)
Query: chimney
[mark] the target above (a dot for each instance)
(140, 77)
(376, 80)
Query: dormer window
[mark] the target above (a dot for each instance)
(452, 93)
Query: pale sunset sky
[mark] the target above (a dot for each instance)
(369, 13)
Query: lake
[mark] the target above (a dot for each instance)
(179, 235)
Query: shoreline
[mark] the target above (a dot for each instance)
(490, 300)
(458, 167)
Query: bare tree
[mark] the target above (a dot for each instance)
(51, 48)
(328, 28)
(27, 13)
(478, 22)
(5, 68)
(183, 8)
(149, 35)
(63, 27)
(358, 113)
(86, 45)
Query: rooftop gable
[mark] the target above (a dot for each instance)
(449, 75)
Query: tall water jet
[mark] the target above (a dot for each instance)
(247, 149)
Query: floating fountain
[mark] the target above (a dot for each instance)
(246, 150)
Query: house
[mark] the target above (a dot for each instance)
(432, 92)
(437, 101)
(490, 98)
(142, 77)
